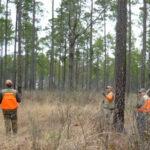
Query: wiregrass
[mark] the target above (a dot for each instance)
(69, 121)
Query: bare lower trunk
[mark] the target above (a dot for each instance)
(6, 40)
(1, 67)
(91, 47)
(19, 48)
(15, 50)
(105, 49)
(71, 65)
(26, 69)
(149, 70)
(87, 66)
(51, 82)
(120, 66)
(64, 71)
(129, 52)
(83, 72)
(144, 46)
(32, 69)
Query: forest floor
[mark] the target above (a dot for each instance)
(75, 121)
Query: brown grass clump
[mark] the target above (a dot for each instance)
(62, 121)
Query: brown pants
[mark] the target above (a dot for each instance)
(10, 122)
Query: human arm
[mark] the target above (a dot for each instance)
(18, 97)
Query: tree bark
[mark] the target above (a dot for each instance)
(144, 45)
(91, 47)
(1, 60)
(120, 66)
(77, 71)
(32, 69)
(51, 82)
(129, 52)
(149, 70)
(26, 67)
(61, 41)
(64, 71)
(83, 70)
(71, 63)
(1, 66)
(6, 40)
(15, 48)
(87, 65)
(105, 49)
(97, 73)
(19, 47)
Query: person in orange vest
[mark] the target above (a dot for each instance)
(9, 99)
(143, 113)
(109, 102)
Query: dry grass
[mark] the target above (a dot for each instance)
(62, 121)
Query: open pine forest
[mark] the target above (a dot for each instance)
(69, 59)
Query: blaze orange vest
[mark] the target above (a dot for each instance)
(145, 108)
(9, 101)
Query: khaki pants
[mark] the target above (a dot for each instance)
(109, 115)
(10, 122)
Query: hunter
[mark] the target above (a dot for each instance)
(9, 99)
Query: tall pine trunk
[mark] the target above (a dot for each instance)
(15, 49)
(19, 47)
(32, 69)
(71, 63)
(105, 49)
(6, 40)
(120, 65)
(149, 70)
(61, 41)
(64, 71)
(83, 70)
(26, 68)
(51, 80)
(1, 65)
(1, 60)
(144, 45)
(129, 52)
(91, 47)
(87, 65)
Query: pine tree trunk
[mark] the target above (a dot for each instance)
(51, 82)
(26, 68)
(1, 60)
(15, 49)
(77, 71)
(61, 41)
(129, 52)
(105, 49)
(19, 48)
(6, 40)
(91, 47)
(71, 63)
(87, 66)
(120, 66)
(41, 81)
(149, 70)
(144, 46)
(64, 71)
(32, 69)
(1, 66)
(97, 73)
(83, 71)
